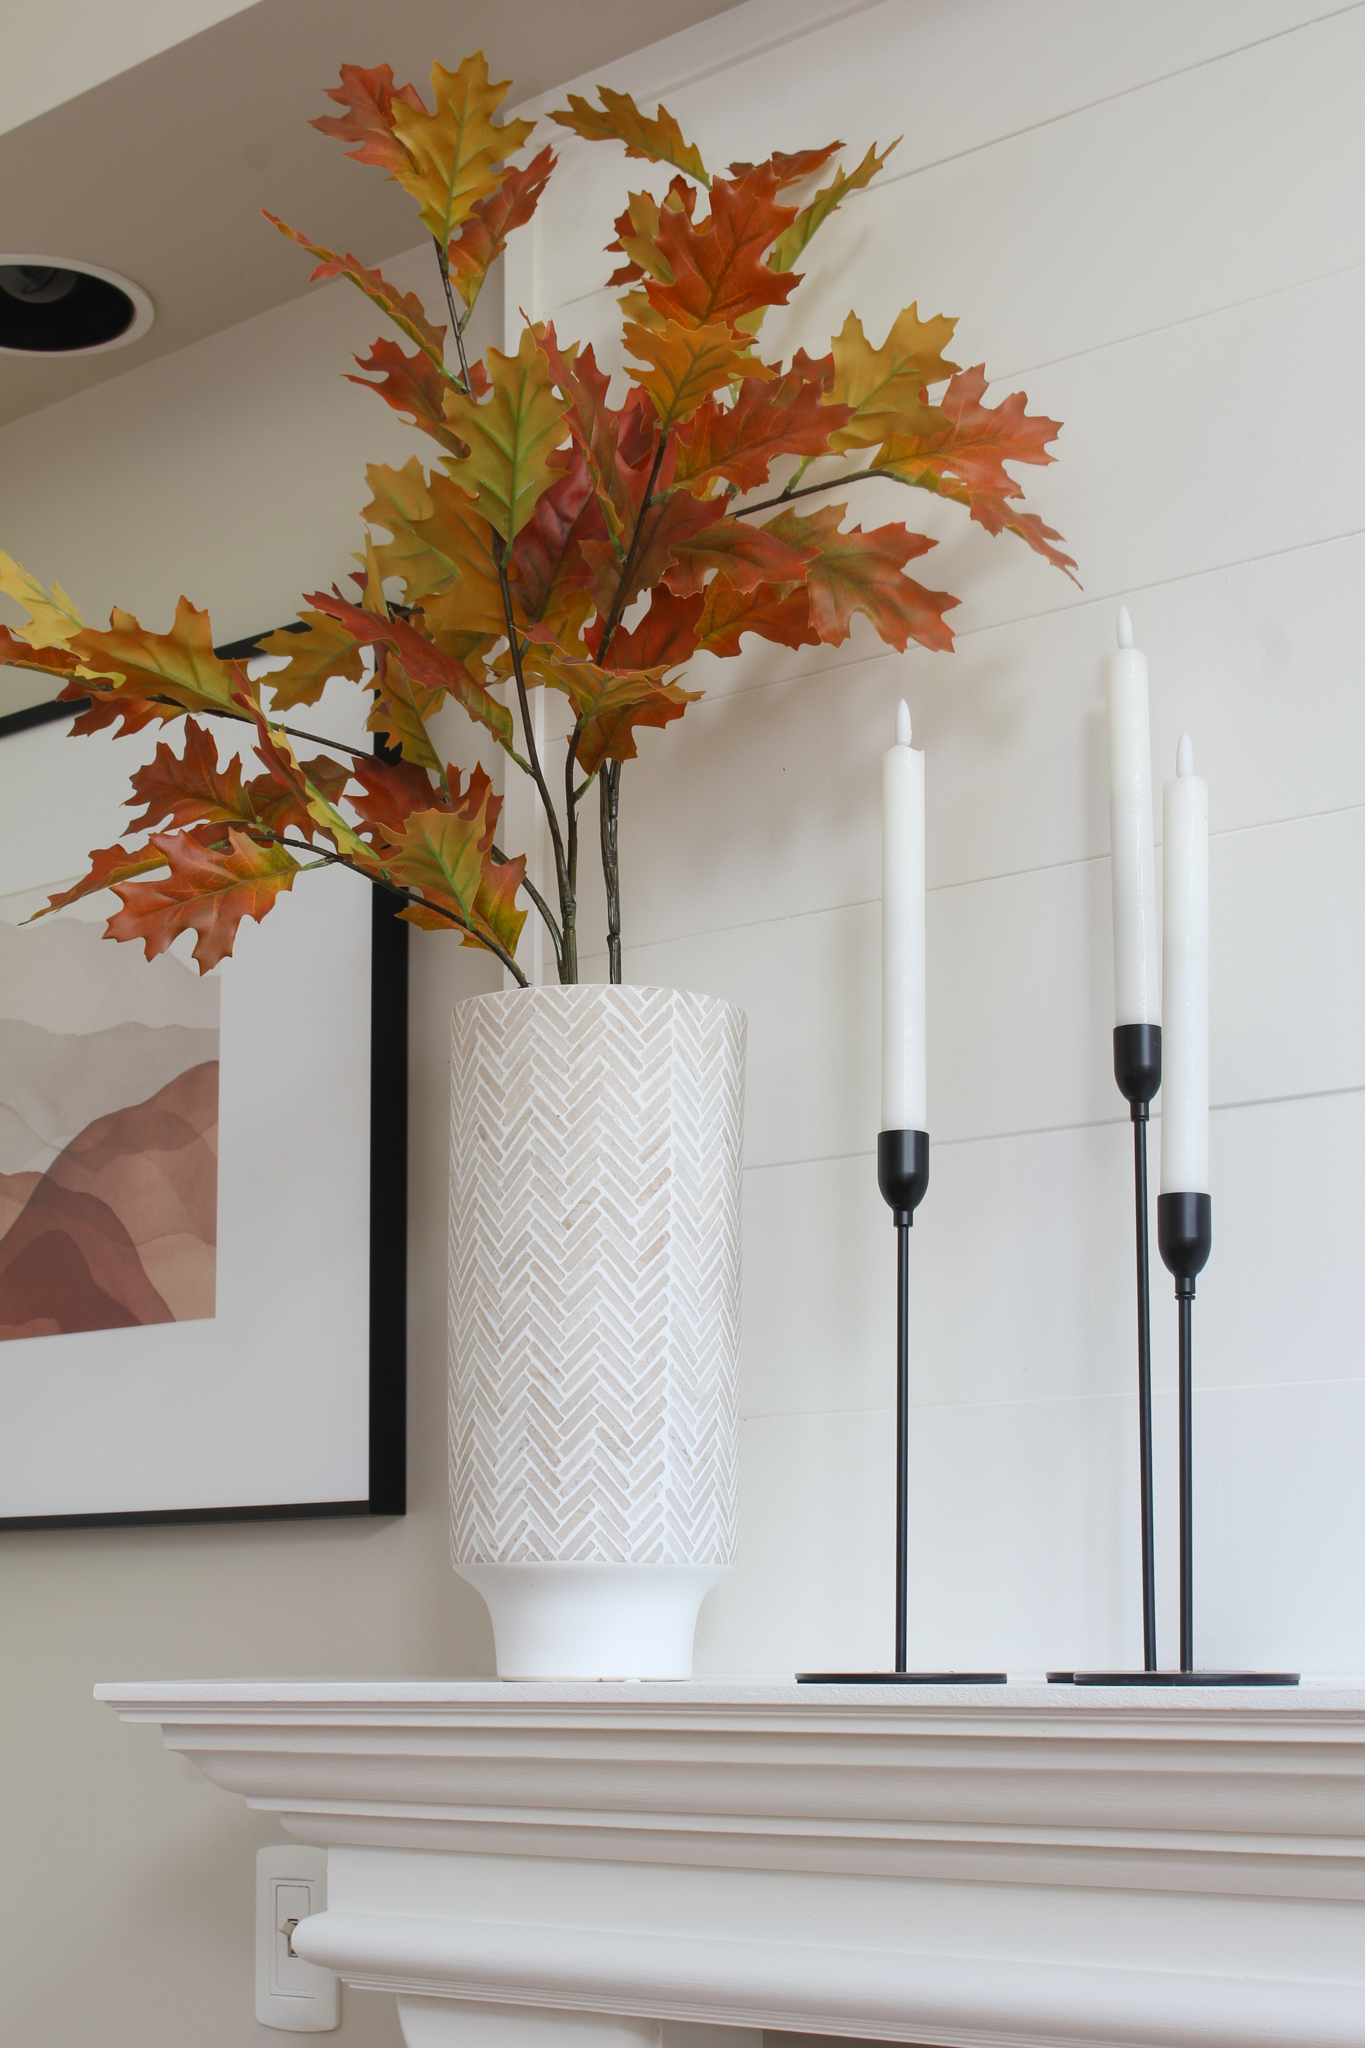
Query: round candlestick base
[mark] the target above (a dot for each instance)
(1173, 1678)
(901, 1678)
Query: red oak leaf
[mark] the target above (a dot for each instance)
(209, 890)
(862, 572)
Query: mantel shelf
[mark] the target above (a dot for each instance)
(1016, 1864)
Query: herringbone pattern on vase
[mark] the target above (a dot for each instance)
(596, 1145)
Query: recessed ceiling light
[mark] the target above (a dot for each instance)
(54, 306)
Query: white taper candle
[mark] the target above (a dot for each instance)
(1137, 995)
(904, 1092)
(1185, 977)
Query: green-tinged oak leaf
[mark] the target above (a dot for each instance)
(884, 387)
(446, 856)
(511, 436)
(405, 309)
(864, 572)
(208, 890)
(451, 153)
(792, 241)
(108, 865)
(156, 675)
(483, 237)
(368, 98)
(52, 617)
(685, 364)
(618, 119)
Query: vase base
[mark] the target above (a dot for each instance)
(593, 1621)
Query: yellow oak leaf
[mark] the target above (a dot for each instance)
(883, 387)
(454, 151)
(53, 618)
(659, 141)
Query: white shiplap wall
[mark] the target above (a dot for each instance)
(1153, 218)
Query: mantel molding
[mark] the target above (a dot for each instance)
(1017, 1864)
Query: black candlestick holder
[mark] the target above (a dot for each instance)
(1184, 1235)
(1137, 1069)
(902, 1176)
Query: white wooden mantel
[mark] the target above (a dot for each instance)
(533, 1865)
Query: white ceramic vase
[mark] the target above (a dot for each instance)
(596, 1145)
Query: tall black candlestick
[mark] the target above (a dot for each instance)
(1184, 1232)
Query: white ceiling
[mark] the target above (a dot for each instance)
(160, 171)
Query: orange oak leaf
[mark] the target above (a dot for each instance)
(316, 655)
(719, 275)
(963, 457)
(108, 865)
(740, 442)
(368, 97)
(791, 168)
(547, 568)
(659, 141)
(483, 237)
(685, 364)
(188, 789)
(863, 572)
(609, 705)
(780, 613)
(424, 667)
(279, 810)
(19, 653)
(745, 555)
(412, 385)
(664, 638)
(209, 890)
(390, 791)
(621, 573)
(884, 387)
(405, 309)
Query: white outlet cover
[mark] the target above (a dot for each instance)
(292, 1995)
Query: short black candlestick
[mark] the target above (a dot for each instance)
(1184, 1232)
(1137, 1070)
(902, 1176)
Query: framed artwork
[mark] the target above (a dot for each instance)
(202, 1182)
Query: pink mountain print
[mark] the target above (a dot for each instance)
(108, 1136)
(122, 1227)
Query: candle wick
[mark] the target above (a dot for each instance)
(1125, 627)
(902, 724)
(1184, 756)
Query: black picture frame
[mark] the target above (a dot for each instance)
(388, 1163)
